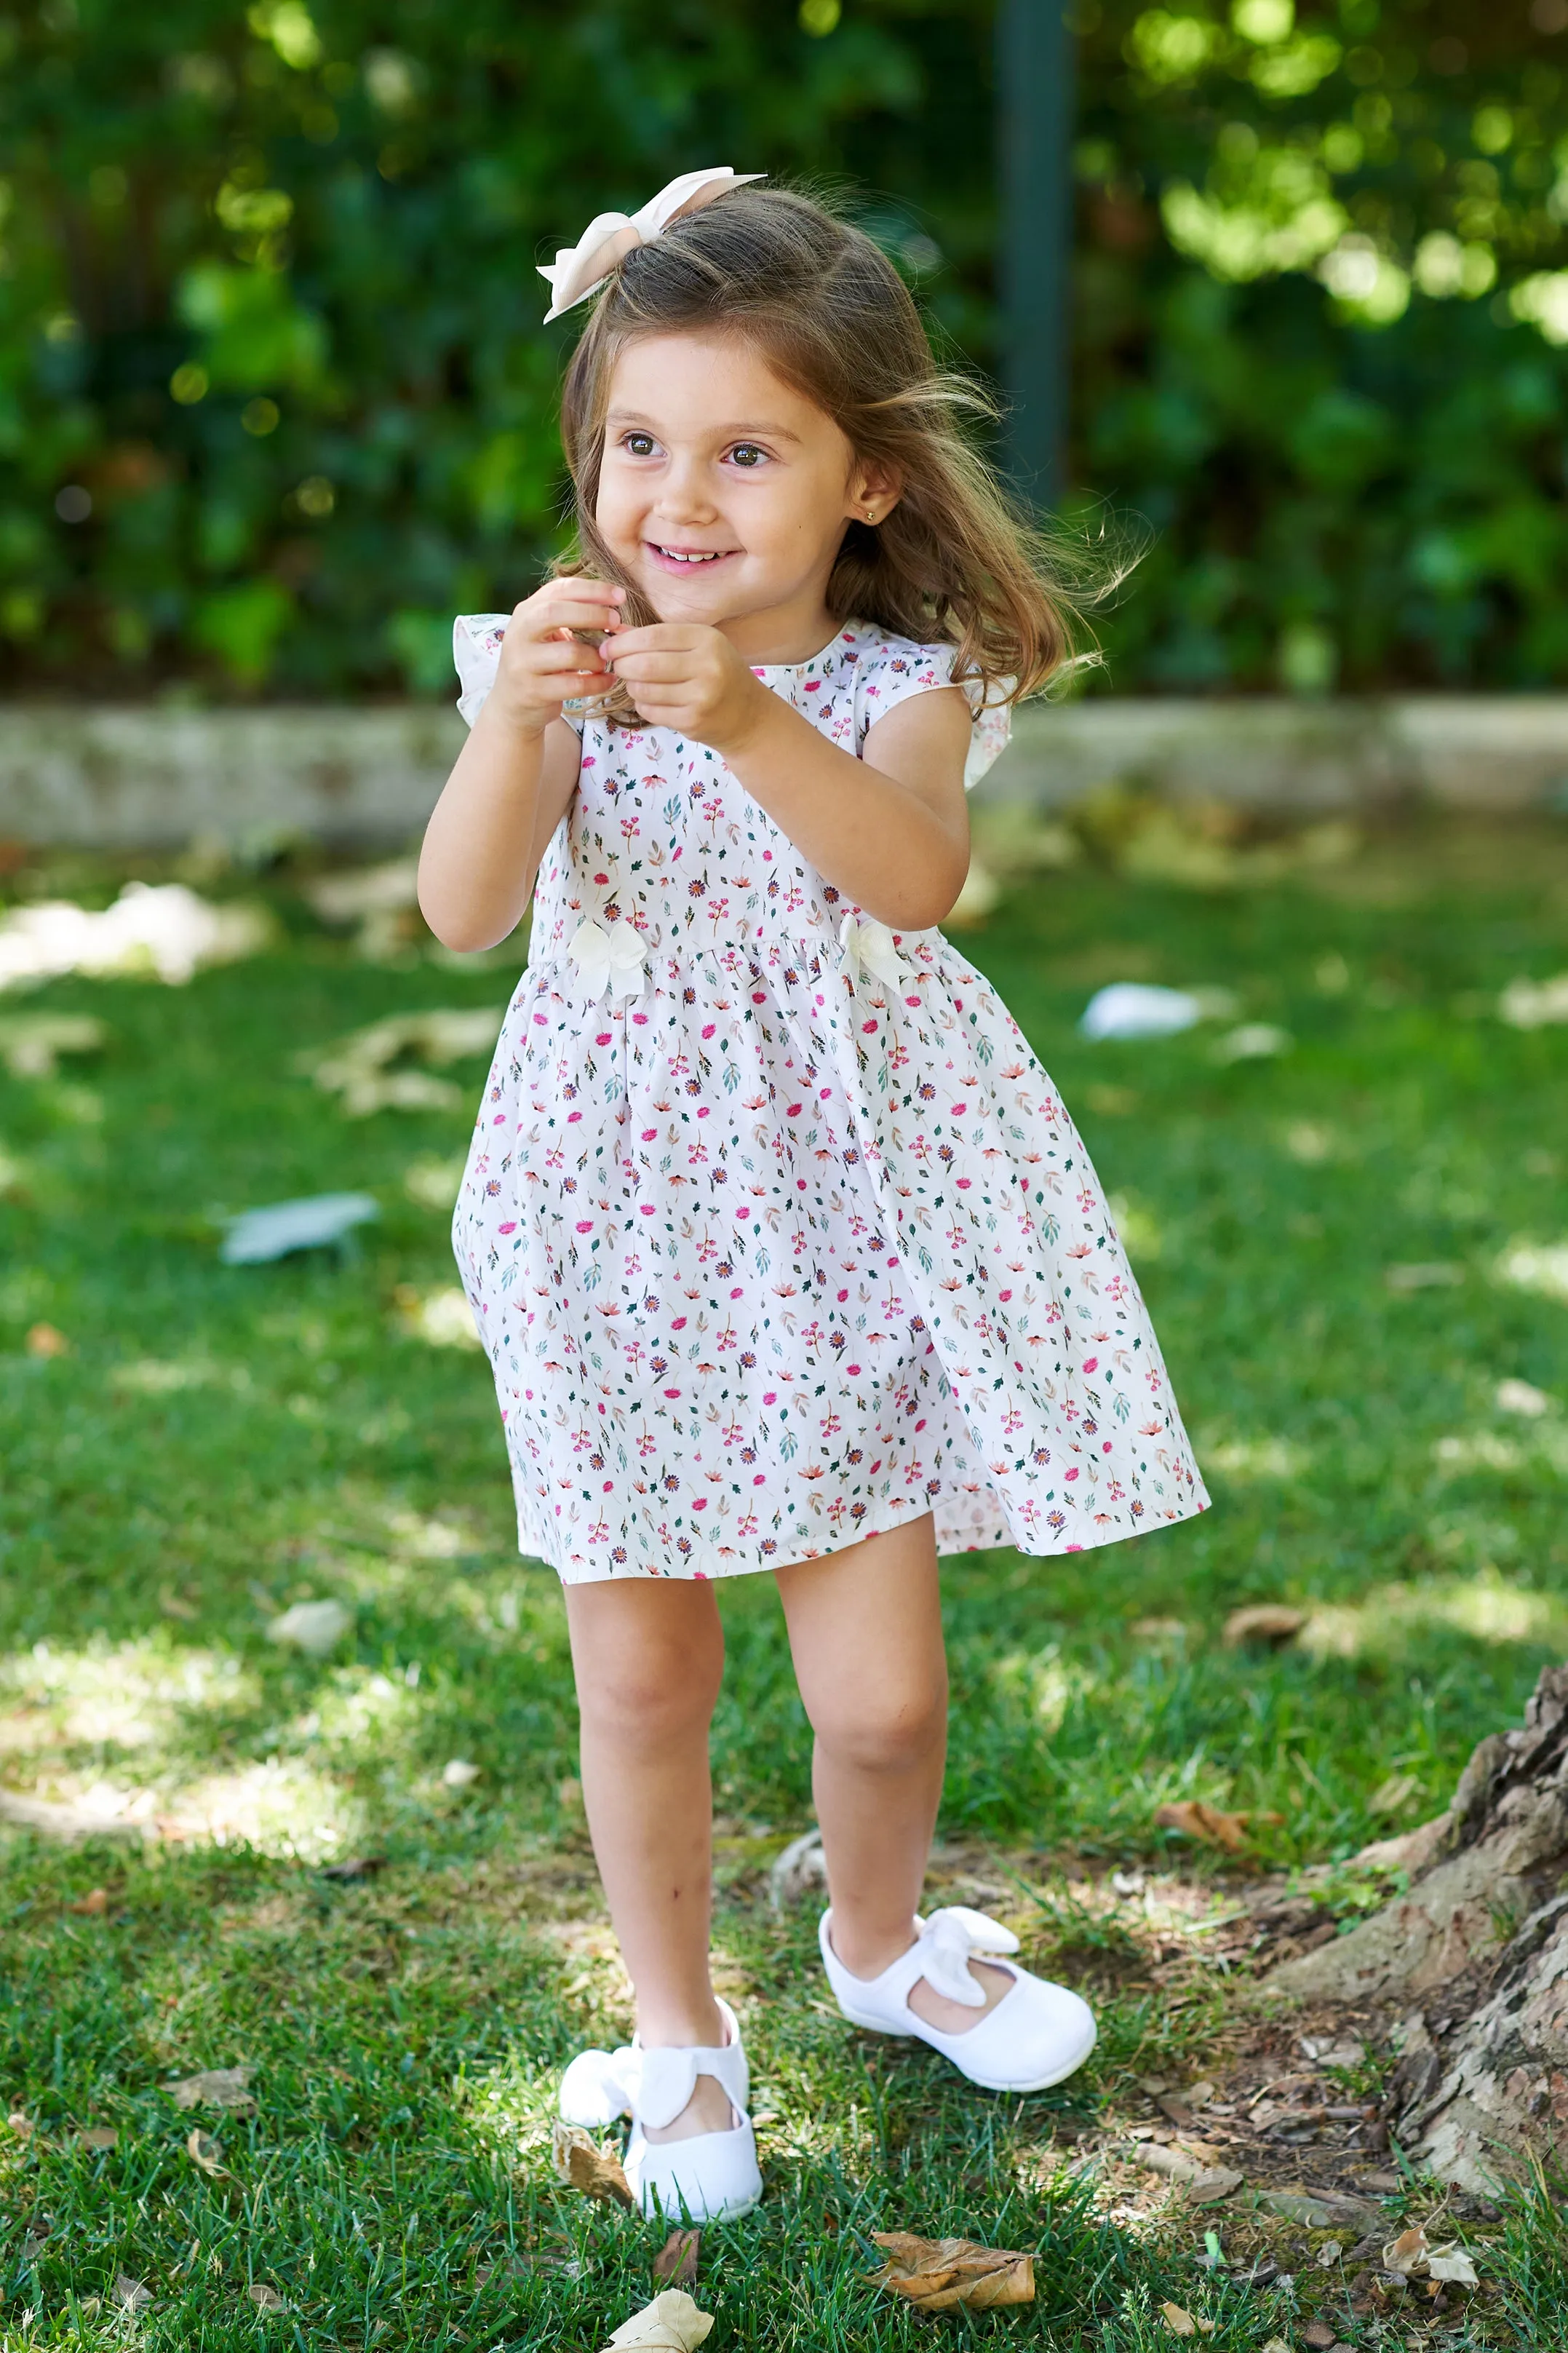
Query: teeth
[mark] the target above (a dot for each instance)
(681, 555)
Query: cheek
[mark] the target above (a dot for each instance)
(617, 501)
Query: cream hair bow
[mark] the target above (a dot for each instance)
(573, 275)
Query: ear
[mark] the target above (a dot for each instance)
(873, 491)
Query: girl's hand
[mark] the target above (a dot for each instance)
(543, 662)
(682, 675)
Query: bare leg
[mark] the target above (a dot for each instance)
(648, 1657)
(865, 1628)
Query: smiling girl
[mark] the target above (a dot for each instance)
(784, 1251)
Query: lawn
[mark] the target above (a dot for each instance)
(1347, 1246)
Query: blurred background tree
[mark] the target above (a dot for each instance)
(275, 399)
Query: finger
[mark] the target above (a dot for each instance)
(573, 604)
(662, 636)
(654, 666)
(563, 654)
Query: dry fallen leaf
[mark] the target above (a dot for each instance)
(676, 2261)
(131, 2295)
(266, 2298)
(671, 2323)
(216, 2087)
(1407, 2253)
(581, 2165)
(934, 2274)
(205, 2151)
(1207, 1822)
(1184, 2324)
(1264, 1621)
(92, 1904)
(1412, 2256)
(99, 2136)
(21, 2124)
(1206, 2184)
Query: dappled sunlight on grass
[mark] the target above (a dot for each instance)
(1253, 1458)
(1488, 1608)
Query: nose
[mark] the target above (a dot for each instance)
(686, 492)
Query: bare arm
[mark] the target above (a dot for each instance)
(889, 829)
(516, 774)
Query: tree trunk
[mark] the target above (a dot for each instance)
(1475, 1955)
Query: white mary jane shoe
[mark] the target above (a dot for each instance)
(1038, 2033)
(713, 2176)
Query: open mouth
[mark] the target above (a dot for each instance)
(689, 559)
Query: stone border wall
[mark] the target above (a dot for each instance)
(149, 777)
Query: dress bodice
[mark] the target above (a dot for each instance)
(661, 836)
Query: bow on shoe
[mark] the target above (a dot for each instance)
(614, 958)
(578, 270)
(656, 2086)
(600, 2085)
(946, 1942)
(868, 947)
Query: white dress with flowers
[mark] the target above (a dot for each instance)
(775, 1231)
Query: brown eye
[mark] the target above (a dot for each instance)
(640, 445)
(747, 454)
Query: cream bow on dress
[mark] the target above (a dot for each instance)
(609, 957)
(575, 272)
(868, 947)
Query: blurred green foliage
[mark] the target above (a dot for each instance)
(275, 399)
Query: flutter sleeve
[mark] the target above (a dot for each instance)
(476, 650)
(899, 669)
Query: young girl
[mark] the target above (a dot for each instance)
(785, 1254)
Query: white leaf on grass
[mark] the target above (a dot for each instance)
(672, 2323)
(1452, 2263)
(800, 1869)
(264, 2298)
(358, 1069)
(132, 2296)
(314, 1627)
(261, 1236)
(1134, 1008)
(1254, 1041)
(457, 1773)
(1532, 1004)
(1523, 1399)
(1543, 1269)
(162, 929)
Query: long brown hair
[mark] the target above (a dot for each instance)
(953, 563)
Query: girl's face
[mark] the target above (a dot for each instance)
(724, 493)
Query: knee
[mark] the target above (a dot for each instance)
(654, 1693)
(885, 1731)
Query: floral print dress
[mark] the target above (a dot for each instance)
(775, 1231)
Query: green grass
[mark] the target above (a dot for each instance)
(218, 1443)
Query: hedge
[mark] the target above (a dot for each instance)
(276, 400)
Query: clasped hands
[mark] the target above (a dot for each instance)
(678, 674)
